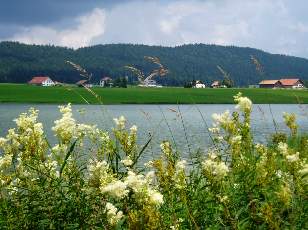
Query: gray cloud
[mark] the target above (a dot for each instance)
(278, 26)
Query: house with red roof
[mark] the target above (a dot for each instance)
(41, 81)
(217, 84)
(270, 84)
(294, 83)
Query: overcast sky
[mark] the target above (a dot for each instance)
(277, 26)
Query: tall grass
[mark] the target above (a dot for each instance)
(237, 184)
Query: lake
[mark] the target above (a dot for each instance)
(162, 121)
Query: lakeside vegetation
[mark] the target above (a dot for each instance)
(93, 179)
(20, 93)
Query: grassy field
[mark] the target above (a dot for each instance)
(20, 93)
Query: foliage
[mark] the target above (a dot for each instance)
(120, 82)
(20, 62)
(92, 179)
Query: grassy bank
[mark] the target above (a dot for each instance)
(33, 94)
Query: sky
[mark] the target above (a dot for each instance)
(276, 26)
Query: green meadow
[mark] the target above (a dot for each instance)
(21, 93)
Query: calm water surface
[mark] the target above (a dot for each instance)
(162, 121)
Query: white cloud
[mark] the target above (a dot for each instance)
(278, 26)
(87, 28)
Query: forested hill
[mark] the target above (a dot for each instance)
(20, 62)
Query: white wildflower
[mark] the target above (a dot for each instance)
(65, 128)
(113, 215)
(181, 165)
(166, 148)
(148, 164)
(120, 122)
(304, 170)
(135, 182)
(133, 130)
(2, 142)
(5, 161)
(127, 161)
(116, 189)
(155, 197)
(215, 168)
(223, 118)
(99, 173)
(150, 176)
(236, 139)
(214, 130)
(27, 120)
(283, 148)
(243, 103)
(293, 157)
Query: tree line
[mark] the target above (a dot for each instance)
(20, 62)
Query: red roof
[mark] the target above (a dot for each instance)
(215, 83)
(269, 82)
(38, 80)
(289, 81)
(106, 79)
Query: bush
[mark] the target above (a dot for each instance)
(93, 179)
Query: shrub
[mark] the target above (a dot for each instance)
(93, 179)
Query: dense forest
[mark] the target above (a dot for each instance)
(20, 62)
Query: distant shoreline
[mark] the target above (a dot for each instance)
(22, 93)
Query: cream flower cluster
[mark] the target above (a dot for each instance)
(283, 149)
(27, 120)
(99, 173)
(120, 122)
(5, 162)
(222, 119)
(113, 215)
(166, 148)
(127, 162)
(138, 184)
(65, 128)
(243, 103)
(215, 168)
(117, 189)
(179, 175)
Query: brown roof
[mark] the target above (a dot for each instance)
(289, 81)
(81, 82)
(268, 82)
(215, 83)
(38, 80)
(106, 79)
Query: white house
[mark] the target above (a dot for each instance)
(199, 85)
(42, 81)
(105, 81)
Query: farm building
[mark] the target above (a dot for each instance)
(217, 84)
(270, 84)
(42, 81)
(294, 83)
(199, 84)
(105, 82)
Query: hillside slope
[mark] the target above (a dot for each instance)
(19, 62)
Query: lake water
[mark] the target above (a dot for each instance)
(162, 121)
